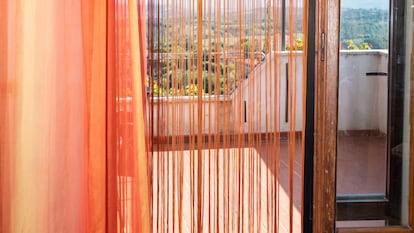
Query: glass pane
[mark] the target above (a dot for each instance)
(362, 123)
(373, 113)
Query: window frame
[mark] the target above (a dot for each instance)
(327, 17)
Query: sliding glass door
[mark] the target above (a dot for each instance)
(374, 114)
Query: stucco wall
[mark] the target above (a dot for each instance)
(362, 99)
(266, 88)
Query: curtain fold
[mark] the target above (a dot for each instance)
(141, 210)
(94, 40)
(48, 164)
(72, 121)
(4, 118)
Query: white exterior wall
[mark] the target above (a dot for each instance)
(185, 112)
(362, 99)
(267, 84)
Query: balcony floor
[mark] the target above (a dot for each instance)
(361, 169)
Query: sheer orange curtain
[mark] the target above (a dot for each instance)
(72, 120)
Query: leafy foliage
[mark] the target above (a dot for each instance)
(365, 27)
(297, 45)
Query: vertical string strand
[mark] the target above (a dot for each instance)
(304, 94)
(292, 107)
(228, 160)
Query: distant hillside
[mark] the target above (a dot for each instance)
(365, 25)
(363, 21)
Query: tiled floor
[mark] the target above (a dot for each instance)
(361, 169)
(362, 164)
(228, 206)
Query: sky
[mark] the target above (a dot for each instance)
(366, 4)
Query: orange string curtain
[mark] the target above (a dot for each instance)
(73, 147)
(226, 86)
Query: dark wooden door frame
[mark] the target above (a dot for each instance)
(326, 105)
(327, 15)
